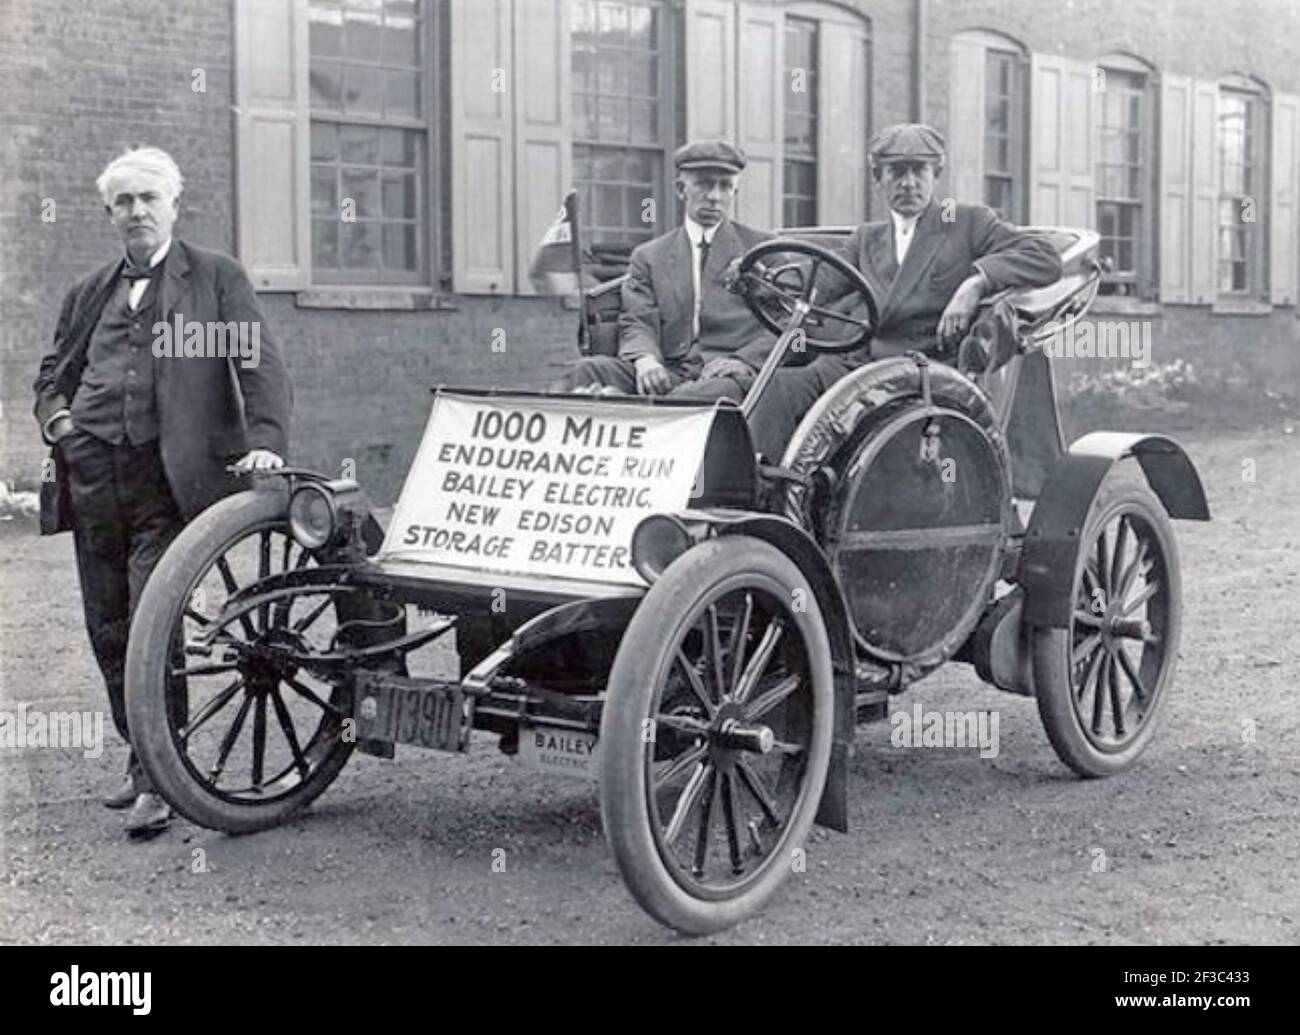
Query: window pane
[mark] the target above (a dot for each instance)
(399, 197)
(643, 76)
(643, 119)
(324, 32)
(324, 141)
(326, 79)
(398, 147)
(643, 27)
(359, 144)
(613, 24)
(403, 98)
(361, 35)
(609, 206)
(365, 89)
(611, 73)
(611, 119)
(360, 245)
(363, 188)
(324, 193)
(399, 246)
(401, 43)
(325, 243)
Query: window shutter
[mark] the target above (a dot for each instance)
(1205, 189)
(1061, 191)
(763, 83)
(482, 202)
(271, 142)
(966, 120)
(842, 124)
(1284, 266)
(543, 125)
(711, 70)
(1175, 188)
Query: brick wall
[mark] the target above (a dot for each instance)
(80, 82)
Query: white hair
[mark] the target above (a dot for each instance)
(153, 159)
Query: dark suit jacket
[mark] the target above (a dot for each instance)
(209, 409)
(942, 255)
(658, 303)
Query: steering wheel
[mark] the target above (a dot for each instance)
(781, 275)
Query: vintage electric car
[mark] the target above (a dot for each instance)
(634, 599)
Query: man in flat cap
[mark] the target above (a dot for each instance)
(681, 332)
(928, 265)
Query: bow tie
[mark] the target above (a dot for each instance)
(134, 273)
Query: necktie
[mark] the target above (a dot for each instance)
(699, 281)
(134, 273)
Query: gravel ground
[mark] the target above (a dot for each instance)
(1199, 843)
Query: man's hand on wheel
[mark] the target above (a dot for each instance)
(652, 377)
(956, 318)
(725, 366)
(258, 460)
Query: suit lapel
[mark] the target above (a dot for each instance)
(926, 241)
(679, 262)
(172, 289)
(79, 334)
(878, 260)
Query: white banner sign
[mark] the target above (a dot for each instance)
(545, 486)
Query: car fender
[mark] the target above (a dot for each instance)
(1051, 546)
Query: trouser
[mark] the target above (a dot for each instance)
(124, 518)
(790, 394)
(620, 374)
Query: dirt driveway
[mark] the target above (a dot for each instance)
(1199, 844)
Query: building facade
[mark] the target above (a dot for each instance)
(384, 168)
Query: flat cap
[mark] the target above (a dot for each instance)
(709, 154)
(907, 142)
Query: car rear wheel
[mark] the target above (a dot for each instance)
(1103, 682)
(716, 734)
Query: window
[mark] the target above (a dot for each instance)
(369, 141)
(799, 191)
(988, 84)
(1123, 176)
(1241, 189)
(1003, 134)
(621, 123)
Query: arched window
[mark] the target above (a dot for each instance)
(1124, 126)
(988, 83)
(1243, 119)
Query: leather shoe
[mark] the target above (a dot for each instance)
(149, 815)
(124, 797)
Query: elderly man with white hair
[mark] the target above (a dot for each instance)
(141, 435)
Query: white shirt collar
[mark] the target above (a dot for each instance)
(698, 233)
(903, 225)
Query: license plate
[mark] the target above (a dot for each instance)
(412, 711)
(558, 751)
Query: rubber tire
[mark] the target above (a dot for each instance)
(632, 681)
(190, 555)
(1051, 647)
